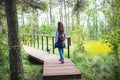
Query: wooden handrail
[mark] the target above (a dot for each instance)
(35, 38)
(43, 35)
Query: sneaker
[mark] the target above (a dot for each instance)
(62, 62)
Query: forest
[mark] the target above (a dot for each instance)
(92, 25)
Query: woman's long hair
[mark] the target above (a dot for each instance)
(61, 29)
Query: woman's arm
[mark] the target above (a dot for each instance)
(65, 36)
(56, 37)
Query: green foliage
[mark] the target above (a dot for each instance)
(78, 35)
(41, 5)
(113, 38)
(47, 29)
(26, 29)
(113, 35)
(43, 29)
(31, 70)
(80, 6)
(4, 63)
(95, 67)
(2, 9)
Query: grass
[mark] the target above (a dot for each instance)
(31, 70)
(95, 63)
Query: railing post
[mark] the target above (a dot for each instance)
(47, 43)
(68, 44)
(30, 40)
(23, 38)
(34, 39)
(38, 41)
(53, 44)
(42, 43)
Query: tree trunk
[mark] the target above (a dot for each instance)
(48, 22)
(96, 25)
(51, 12)
(36, 25)
(73, 20)
(78, 18)
(65, 15)
(61, 14)
(22, 17)
(88, 24)
(68, 19)
(16, 66)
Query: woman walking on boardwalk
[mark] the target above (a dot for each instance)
(60, 40)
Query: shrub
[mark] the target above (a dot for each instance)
(4, 63)
(78, 35)
(47, 29)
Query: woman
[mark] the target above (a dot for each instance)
(60, 40)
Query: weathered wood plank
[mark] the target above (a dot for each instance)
(39, 54)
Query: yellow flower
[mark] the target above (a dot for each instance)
(97, 48)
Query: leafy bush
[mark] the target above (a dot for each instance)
(47, 29)
(29, 29)
(78, 35)
(4, 63)
(113, 36)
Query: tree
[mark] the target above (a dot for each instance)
(80, 6)
(41, 6)
(32, 7)
(113, 34)
(50, 2)
(67, 5)
(61, 10)
(16, 66)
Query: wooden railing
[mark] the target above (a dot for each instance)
(37, 41)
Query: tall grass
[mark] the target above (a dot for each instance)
(31, 70)
(96, 62)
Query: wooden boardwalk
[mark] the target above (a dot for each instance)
(53, 69)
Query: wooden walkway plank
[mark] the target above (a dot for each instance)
(53, 69)
(39, 54)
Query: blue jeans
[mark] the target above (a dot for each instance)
(61, 53)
